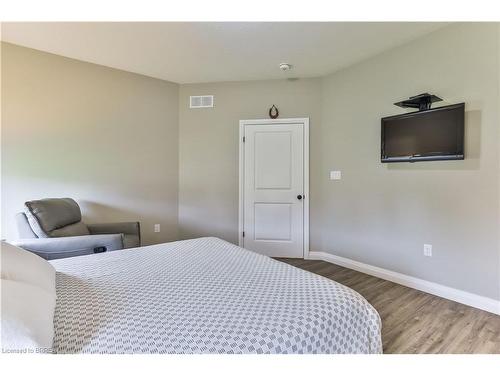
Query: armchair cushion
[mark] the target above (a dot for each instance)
(76, 229)
(60, 217)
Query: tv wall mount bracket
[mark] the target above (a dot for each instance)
(423, 101)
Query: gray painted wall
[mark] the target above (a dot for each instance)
(105, 137)
(377, 214)
(208, 146)
(382, 214)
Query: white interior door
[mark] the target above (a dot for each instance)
(273, 189)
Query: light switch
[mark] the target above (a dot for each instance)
(157, 228)
(335, 175)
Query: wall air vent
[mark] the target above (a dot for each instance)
(203, 101)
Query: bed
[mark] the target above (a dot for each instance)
(204, 296)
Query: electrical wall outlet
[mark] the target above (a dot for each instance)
(157, 228)
(427, 250)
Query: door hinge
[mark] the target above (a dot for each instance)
(243, 234)
(243, 139)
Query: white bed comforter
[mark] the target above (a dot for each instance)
(205, 296)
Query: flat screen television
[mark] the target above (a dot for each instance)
(433, 134)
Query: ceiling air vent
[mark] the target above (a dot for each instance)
(203, 101)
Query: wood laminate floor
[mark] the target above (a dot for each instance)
(414, 321)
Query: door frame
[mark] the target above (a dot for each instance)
(285, 121)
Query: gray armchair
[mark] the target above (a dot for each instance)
(53, 228)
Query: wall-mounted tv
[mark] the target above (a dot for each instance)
(433, 134)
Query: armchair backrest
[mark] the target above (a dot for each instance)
(23, 226)
(54, 217)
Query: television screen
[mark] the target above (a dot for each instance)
(434, 134)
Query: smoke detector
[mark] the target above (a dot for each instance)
(285, 67)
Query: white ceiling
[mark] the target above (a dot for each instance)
(192, 52)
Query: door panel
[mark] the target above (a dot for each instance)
(272, 168)
(273, 217)
(273, 221)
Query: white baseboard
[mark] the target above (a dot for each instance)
(466, 298)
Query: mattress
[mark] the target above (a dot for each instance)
(205, 296)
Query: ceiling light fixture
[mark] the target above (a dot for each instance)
(285, 67)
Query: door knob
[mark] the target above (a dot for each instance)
(299, 197)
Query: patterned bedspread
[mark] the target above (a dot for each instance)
(205, 296)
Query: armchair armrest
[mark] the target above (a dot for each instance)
(111, 228)
(63, 247)
(131, 230)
